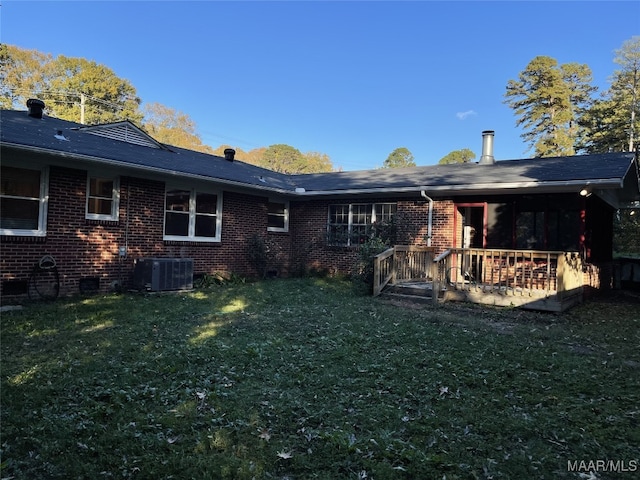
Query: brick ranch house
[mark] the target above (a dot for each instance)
(98, 199)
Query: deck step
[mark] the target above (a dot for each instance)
(417, 289)
(417, 299)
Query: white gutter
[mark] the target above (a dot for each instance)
(430, 221)
(458, 189)
(473, 189)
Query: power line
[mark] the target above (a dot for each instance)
(68, 93)
(81, 102)
(233, 139)
(78, 95)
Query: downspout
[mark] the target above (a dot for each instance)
(430, 220)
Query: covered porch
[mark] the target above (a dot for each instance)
(532, 279)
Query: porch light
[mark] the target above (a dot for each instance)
(585, 192)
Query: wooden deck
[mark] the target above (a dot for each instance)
(537, 280)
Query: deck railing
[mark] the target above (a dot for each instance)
(402, 263)
(382, 270)
(510, 271)
(502, 271)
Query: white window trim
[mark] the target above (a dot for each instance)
(43, 205)
(286, 215)
(192, 215)
(115, 198)
(350, 217)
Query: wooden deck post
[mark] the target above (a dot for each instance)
(435, 290)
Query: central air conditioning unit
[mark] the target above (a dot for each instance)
(163, 274)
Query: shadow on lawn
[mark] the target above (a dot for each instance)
(100, 374)
(115, 327)
(285, 378)
(119, 384)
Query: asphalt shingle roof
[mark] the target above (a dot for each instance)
(607, 171)
(581, 168)
(18, 128)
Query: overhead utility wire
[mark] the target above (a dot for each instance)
(68, 93)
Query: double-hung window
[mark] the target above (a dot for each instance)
(192, 214)
(103, 197)
(23, 201)
(351, 224)
(278, 216)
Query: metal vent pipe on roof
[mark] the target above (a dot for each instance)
(229, 154)
(35, 107)
(487, 148)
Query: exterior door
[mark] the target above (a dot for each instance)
(470, 225)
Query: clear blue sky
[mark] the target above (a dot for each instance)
(354, 80)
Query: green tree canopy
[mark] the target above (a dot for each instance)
(606, 124)
(613, 121)
(23, 74)
(287, 159)
(72, 88)
(624, 88)
(169, 126)
(253, 156)
(457, 156)
(626, 230)
(548, 100)
(283, 158)
(400, 157)
(317, 162)
(83, 88)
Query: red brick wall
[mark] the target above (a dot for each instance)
(442, 225)
(309, 226)
(89, 248)
(81, 248)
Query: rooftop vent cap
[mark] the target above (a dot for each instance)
(229, 154)
(487, 148)
(35, 107)
(60, 136)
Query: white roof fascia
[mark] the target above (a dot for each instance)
(145, 168)
(474, 189)
(458, 189)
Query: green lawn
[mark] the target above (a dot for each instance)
(307, 378)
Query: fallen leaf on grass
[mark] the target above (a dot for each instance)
(589, 476)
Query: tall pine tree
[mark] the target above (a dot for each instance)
(613, 122)
(548, 100)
